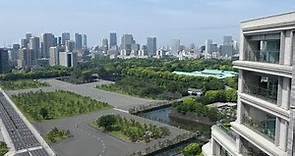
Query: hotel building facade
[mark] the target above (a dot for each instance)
(266, 94)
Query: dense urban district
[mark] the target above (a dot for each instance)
(60, 98)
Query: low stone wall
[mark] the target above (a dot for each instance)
(165, 144)
(191, 117)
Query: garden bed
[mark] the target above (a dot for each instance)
(41, 105)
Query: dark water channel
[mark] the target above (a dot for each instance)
(162, 115)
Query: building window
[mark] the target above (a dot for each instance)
(263, 48)
(250, 150)
(261, 86)
(259, 121)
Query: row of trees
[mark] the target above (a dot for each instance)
(195, 82)
(21, 84)
(148, 88)
(134, 130)
(52, 105)
(56, 135)
(211, 96)
(200, 110)
(49, 72)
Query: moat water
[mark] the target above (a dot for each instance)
(162, 115)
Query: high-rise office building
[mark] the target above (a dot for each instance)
(105, 45)
(25, 59)
(47, 41)
(78, 41)
(227, 47)
(34, 45)
(265, 113)
(65, 37)
(68, 59)
(54, 56)
(175, 46)
(126, 42)
(24, 43)
(134, 49)
(14, 54)
(208, 48)
(84, 40)
(28, 36)
(70, 46)
(151, 46)
(113, 40)
(4, 66)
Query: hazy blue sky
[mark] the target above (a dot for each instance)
(192, 21)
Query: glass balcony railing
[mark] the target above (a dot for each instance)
(227, 130)
(266, 94)
(264, 56)
(266, 127)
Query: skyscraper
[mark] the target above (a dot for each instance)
(151, 46)
(126, 42)
(28, 36)
(113, 40)
(34, 45)
(84, 40)
(25, 59)
(70, 46)
(227, 47)
(78, 40)
(208, 48)
(4, 67)
(54, 56)
(105, 44)
(14, 54)
(65, 37)
(175, 45)
(47, 40)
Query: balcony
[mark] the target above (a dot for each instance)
(267, 94)
(226, 138)
(272, 57)
(227, 130)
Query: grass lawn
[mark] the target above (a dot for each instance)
(22, 84)
(40, 105)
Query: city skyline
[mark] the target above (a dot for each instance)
(98, 19)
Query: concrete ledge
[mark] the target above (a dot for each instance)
(224, 140)
(206, 149)
(257, 140)
(266, 68)
(266, 106)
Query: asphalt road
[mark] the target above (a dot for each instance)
(88, 141)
